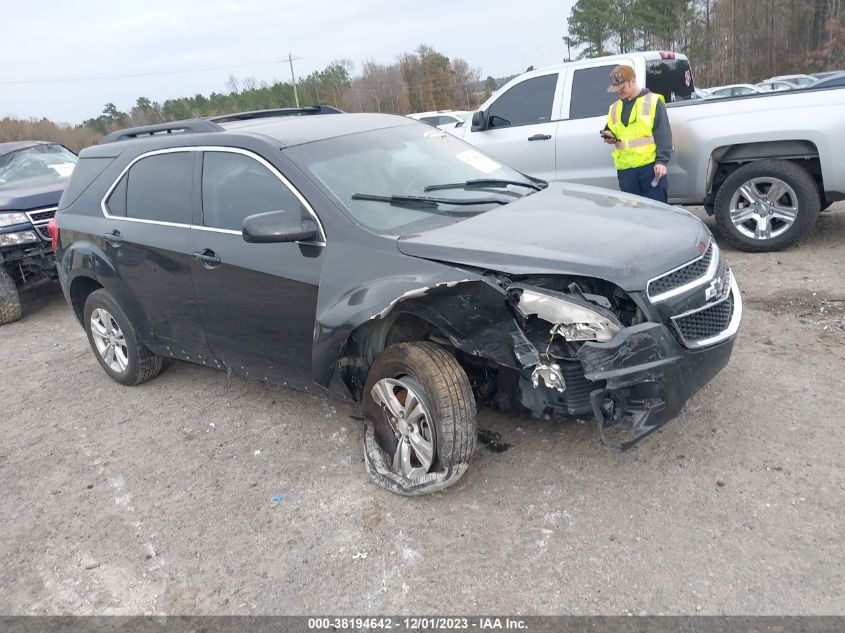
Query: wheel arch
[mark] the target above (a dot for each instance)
(726, 159)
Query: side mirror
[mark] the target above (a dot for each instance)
(478, 121)
(278, 226)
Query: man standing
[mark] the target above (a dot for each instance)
(638, 127)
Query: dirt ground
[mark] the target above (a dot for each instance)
(197, 493)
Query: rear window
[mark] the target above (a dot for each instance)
(671, 78)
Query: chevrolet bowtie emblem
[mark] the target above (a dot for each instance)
(715, 289)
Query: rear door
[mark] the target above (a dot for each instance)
(522, 124)
(258, 301)
(148, 215)
(582, 155)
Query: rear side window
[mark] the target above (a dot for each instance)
(589, 92)
(159, 188)
(525, 103)
(235, 186)
(116, 204)
(671, 78)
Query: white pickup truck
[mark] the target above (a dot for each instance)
(765, 164)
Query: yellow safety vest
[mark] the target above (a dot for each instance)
(636, 146)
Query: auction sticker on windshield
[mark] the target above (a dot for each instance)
(481, 162)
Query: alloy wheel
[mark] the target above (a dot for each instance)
(764, 208)
(109, 340)
(410, 421)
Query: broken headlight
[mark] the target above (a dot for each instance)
(569, 318)
(13, 239)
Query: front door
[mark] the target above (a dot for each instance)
(258, 301)
(522, 127)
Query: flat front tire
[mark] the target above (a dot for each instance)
(116, 343)
(421, 419)
(767, 205)
(10, 301)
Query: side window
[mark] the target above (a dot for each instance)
(589, 92)
(525, 103)
(431, 120)
(235, 186)
(159, 188)
(116, 203)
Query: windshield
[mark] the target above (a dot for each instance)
(36, 165)
(403, 161)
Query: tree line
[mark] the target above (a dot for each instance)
(727, 41)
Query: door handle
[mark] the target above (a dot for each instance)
(540, 137)
(114, 238)
(208, 258)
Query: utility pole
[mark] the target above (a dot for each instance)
(293, 79)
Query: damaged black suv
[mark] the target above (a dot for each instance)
(376, 258)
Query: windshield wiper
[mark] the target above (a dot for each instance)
(486, 182)
(426, 202)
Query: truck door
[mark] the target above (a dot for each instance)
(522, 125)
(581, 155)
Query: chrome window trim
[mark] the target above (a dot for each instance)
(725, 334)
(690, 285)
(209, 148)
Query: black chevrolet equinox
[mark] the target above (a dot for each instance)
(375, 258)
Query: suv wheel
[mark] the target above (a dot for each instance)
(767, 205)
(421, 419)
(115, 341)
(10, 301)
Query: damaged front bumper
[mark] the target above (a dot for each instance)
(649, 375)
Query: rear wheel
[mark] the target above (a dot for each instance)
(116, 343)
(767, 205)
(421, 419)
(10, 301)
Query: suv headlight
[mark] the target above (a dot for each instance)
(8, 219)
(23, 237)
(571, 320)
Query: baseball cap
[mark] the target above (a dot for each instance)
(618, 76)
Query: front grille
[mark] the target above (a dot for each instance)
(575, 400)
(41, 216)
(695, 269)
(44, 232)
(706, 323)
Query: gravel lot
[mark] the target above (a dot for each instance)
(160, 498)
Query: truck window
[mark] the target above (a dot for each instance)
(589, 92)
(525, 103)
(671, 78)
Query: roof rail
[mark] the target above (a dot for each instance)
(189, 126)
(259, 114)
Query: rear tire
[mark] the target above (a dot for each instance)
(421, 419)
(10, 301)
(116, 343)
(751, 221)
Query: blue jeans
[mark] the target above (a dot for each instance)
(637, 180)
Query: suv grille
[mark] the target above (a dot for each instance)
(706, 323)
(692, 271)
(40, 218)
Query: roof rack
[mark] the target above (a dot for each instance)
(189, 126)
(259, 114)
(209, 124)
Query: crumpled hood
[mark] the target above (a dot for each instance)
(570, 229)
(15, 197)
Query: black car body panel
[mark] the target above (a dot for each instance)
(315, 314)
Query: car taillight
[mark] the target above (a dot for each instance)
(53, 228)
(667, 55)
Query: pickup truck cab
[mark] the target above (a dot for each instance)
(761, 163)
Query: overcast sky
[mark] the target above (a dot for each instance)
(65, 60)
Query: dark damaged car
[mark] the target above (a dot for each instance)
(375, 258)
(32, 177)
